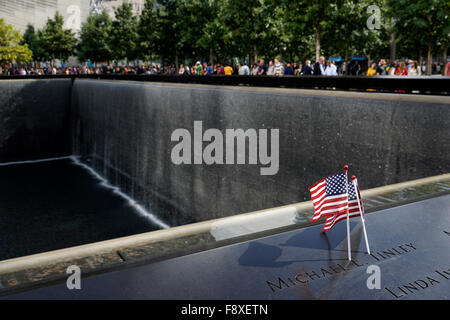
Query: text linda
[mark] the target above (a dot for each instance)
(236, 142)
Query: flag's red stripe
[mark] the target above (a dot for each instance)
(330, 212)
(328, 203)
(341, 208)
(328, 227)
(319, 196)
(333, 207)
(312, 188)
(340, 217)
(331, 221)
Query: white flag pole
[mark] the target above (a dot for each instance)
(348, 220)
(355, 184)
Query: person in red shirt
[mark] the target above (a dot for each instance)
(447, 69)
(402, 70)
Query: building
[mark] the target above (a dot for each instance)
(110, 5)
(20, 13)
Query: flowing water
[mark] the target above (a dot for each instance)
(60, 203)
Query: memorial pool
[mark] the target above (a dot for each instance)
(55, 204)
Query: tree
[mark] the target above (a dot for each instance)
(10, 48)
(147, 30)
(315, 13)
(348, 32)
(55, 41)
(172, 21)
(424, 19)
(30, 38)
(124, 36)
(95, 41)
(443, 34)
(249, 26)
(292, 31)
(206, 30)
(345, 27)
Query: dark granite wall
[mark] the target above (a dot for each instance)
(34, 119)
(125, 129)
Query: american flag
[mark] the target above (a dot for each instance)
(329, 196)
(353, 208)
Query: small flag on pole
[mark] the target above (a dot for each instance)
(329, 196)
(353, 209)
(337, 199)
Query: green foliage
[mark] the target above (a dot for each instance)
(346, 32)
(11, 49)
(427, 17)
(172, 20)
(124, 36)
(251, 27)
(293, 35)
(30, 38)
(222, 30)
(95, 42)
(55, 41)
(206, 30)
(146, 30)
(421, 24)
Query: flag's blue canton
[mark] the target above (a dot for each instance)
(351, 191)
(336, 184)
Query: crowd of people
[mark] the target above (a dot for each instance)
(402, 68)
(274, 67)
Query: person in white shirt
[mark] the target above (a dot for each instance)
(270, 69)
(414, 69)
(181, 70)
(279, 69)
(244, 70)
(331, 69)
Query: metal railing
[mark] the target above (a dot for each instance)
(437, 85)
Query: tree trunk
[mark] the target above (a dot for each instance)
(255, 52)
(420, 57)
(211, 56)
(429, 54)
(444, 58)
(393, 42)
(176, 60)
(317, 42)
(317, 31)
(346, 58)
